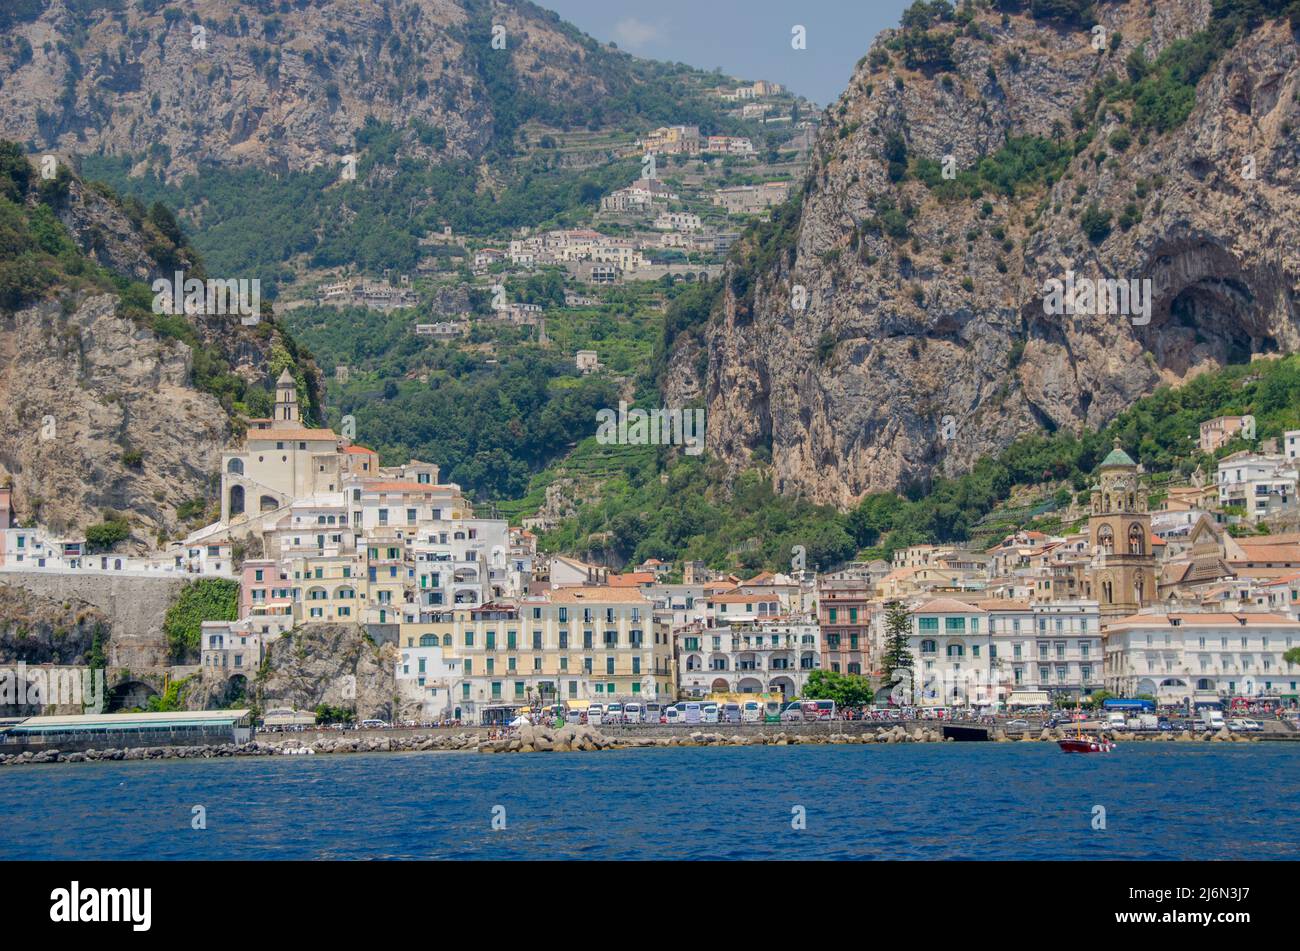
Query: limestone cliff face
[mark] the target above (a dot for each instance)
(100, 411)
(333, 664)
(39, 630)
(231, 83)
(944, 317)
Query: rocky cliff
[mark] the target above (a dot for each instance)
(105, 405)
(332, 664)
(238, 82)
(893, 326)
(36, 629)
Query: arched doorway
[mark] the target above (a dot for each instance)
(236, 500)
(130, 695)
(781, 685)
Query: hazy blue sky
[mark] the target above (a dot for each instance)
(749, 38)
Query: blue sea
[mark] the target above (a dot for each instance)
(954, 801)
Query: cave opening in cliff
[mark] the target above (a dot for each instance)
(1212, 320)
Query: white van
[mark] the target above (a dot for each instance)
(673, 715)
(1212, 719)
(1149, 721)
(595, 714)
(1115, 721)
(632, 713)
(751, 711)
(710, 712)
(692, 713)
(613, 713)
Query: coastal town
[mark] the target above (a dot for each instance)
(1166, 605)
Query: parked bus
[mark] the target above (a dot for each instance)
(613, 714)
(692, 713)
(632, 712)
(654, 713)
(751, 711)
(817, 709)
(595, 714)
(729, 713)
(772, 711)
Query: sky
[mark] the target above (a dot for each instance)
(750, 39)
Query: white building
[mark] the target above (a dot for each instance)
(761, 656)
(1260, 484)
(1182, 659)
(986, 653)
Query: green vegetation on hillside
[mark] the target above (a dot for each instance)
(674, 508)
(252, 223)
(39, 258)
(208, 599)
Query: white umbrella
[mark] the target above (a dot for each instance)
(521, 721)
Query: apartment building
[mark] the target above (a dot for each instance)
(574, 643)
(773, 656)
(1189, 658)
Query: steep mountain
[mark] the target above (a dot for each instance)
(892, 325)
(287, 86)
(115, 412)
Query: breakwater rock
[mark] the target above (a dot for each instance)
(570, 738)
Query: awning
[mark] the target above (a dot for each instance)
(1029, 698)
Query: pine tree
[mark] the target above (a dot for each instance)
(898, 656)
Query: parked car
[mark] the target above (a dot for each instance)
(1017, 724)
(1244, 725)
(374, 725)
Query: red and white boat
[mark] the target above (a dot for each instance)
(1083, 744)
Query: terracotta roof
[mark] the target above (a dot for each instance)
(595, 595)
(1204, 619)
(1003, 604)
(399, 486)
(632, 579)
(361, 450)
(948, 606)
(291, 435)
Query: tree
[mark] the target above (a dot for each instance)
(847, 690)
(1292, 656)
(898, 656)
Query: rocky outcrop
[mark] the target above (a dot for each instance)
(332, 664)
(40, 630)
(923, 343)
(133, 609)
(107, 407)
(81, 391)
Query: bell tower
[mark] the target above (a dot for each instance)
(286, 402)
(1123, 570)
